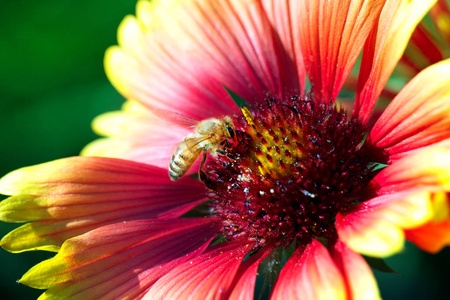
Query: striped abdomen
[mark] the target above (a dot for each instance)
(182, 159)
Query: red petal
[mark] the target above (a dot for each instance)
(208, 276)
(284, 15)
(244, 287)
(121, 260)
(359, 279)
(310, 273)
(332, 35)
(418, 116)
(384, 49)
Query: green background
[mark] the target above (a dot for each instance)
(52, 85)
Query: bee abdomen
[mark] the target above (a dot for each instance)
(181, 163)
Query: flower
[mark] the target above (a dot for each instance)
(294, 180)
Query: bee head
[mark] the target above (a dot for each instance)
(229, 127)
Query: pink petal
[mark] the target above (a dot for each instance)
(332, 34)
(121, 260)
(310, 273)
(136, 134)
(180, 55)
(418, 116)
(208, 276)
(150, 68)
(71, 196)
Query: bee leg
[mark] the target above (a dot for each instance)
(201, 174)
(220, 151)
(226, 143)
(231, 157)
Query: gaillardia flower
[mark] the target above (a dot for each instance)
(295, 187)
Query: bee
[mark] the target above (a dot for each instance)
(209, 135)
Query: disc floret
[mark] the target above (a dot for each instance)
(294, 165)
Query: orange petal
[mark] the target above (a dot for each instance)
(435, 234)
(310, 273)
(208, 276)
(375, 227)
(121, 260)
(431, 237)
(332, 35)
(418, 116)
(384, 49)
(71, 196)
(357, 274)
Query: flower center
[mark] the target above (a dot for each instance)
(290, 169)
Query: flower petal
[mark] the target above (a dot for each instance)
(150, 69)
(332, 35)
(418, 116)
(284, 15)
(310, 273)
(431, 237)
(134, 133)
(375, 227)
(440, 16)
(244, 287)
(179, 55)
(384, 49)
(71, 196)
(357, 274)
(208, 276)
(428, 168)
(120, 260)
(435, 234)
(423, 50)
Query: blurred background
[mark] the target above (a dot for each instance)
(52, 85)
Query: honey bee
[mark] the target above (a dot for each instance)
(208, 135)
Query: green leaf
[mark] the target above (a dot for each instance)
(377, 166)
(236, 98)
(379, 264)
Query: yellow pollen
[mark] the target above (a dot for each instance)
(278, 143)
(248, 116)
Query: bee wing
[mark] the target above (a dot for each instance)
(168, 116)
(192, 143)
